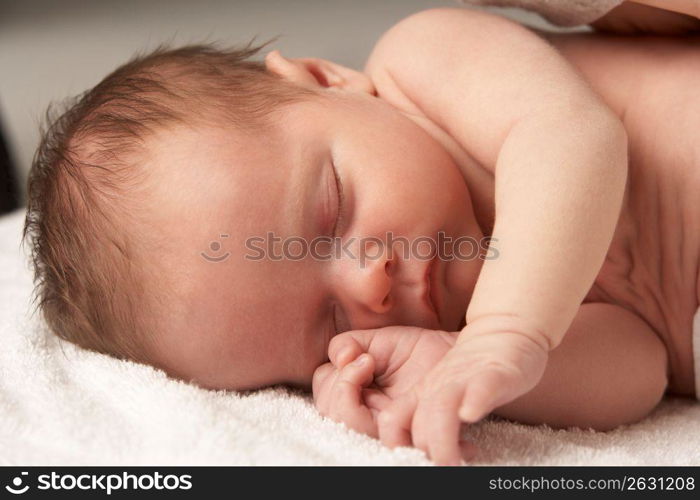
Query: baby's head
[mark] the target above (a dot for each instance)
(222, 218)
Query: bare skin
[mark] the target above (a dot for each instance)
(652, 265)
(631, 339)
(541, 344)
(651, 268)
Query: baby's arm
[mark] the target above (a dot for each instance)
(559, 158)
(558, 154)
(610, 369)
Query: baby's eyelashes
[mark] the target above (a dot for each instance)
(340, 213)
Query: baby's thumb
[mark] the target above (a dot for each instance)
(348, 346)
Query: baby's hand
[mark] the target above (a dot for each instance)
(369, 369)
(342, 394)
(488, 367)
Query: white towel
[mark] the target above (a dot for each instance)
(61, 405)
(560, 12)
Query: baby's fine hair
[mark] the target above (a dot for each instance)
(84, 223)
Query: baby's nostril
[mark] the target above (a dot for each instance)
(386, 300)
(387, 267)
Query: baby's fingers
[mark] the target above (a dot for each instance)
(343, 350)
(436, 426)
(321, 386)
(346, 404)
(376, 400)
(394, 421)
(348, 346)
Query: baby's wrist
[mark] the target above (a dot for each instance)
(490, 324)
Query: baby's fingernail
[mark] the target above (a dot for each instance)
(471, 414)
(360, 361)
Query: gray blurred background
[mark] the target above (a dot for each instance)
(52, 49)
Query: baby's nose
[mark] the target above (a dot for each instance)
(370, 282)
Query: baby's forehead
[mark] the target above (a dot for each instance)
(208, 182)
(206, 157)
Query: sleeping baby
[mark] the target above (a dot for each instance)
(485, 220)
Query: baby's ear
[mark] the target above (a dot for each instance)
(314, 73)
